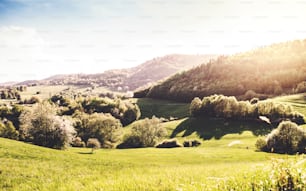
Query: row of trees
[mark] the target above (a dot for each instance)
(228, 107)
(124, 110)
(12, 92)
(42, 126)
(64, 120)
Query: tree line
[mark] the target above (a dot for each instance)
(220, 106)
(266, 72)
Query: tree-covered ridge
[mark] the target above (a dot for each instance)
(263, 72)
(130, 79)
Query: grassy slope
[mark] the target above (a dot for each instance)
(298, 102)
(162, 108)
(28, 167)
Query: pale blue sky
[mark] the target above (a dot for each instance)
(39, 38)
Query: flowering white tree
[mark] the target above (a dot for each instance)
(43, 127)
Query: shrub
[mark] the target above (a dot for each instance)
(261, 144)
(192, 143)
(288, 138)
(41, 126)
(93, 144)
(172, 143)
(131, 141)
(60, 100)
(77, 142)
(32, 100)
(149, 131)
(7, 130)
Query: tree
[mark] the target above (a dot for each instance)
(288, 138)
(195, 106)
(93, 144)
(104, 127)
(145, 133)
(132, 113)
(43, 127)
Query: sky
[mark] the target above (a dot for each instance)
(40, 38)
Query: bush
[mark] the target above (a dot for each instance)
(125, 111)
(192, 143)
(172, 143)
(93, 144)
(32, 100)
(77, 142)
(288, 138)
(261, 144)
(7, 130)
(41, 126)
(131, 141)
(145, 133)
(104, 127)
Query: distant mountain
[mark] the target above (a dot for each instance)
(264, 72)
(132, 78)
(5, 84)
(162, 67)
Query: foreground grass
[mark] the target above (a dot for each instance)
(28, 167)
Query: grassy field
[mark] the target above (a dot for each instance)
(162, 108)
(226, 159)
(28, 167)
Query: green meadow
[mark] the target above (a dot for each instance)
(226, 160)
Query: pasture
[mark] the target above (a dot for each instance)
(227, 159)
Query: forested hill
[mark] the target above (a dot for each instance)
(131, 78)
(264, 72)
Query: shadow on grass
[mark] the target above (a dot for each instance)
(208, 128)
(86, 153)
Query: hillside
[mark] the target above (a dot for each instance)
(131, 78)
(264, 72)
(28, 167)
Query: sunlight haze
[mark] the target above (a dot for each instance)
(43, 38)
